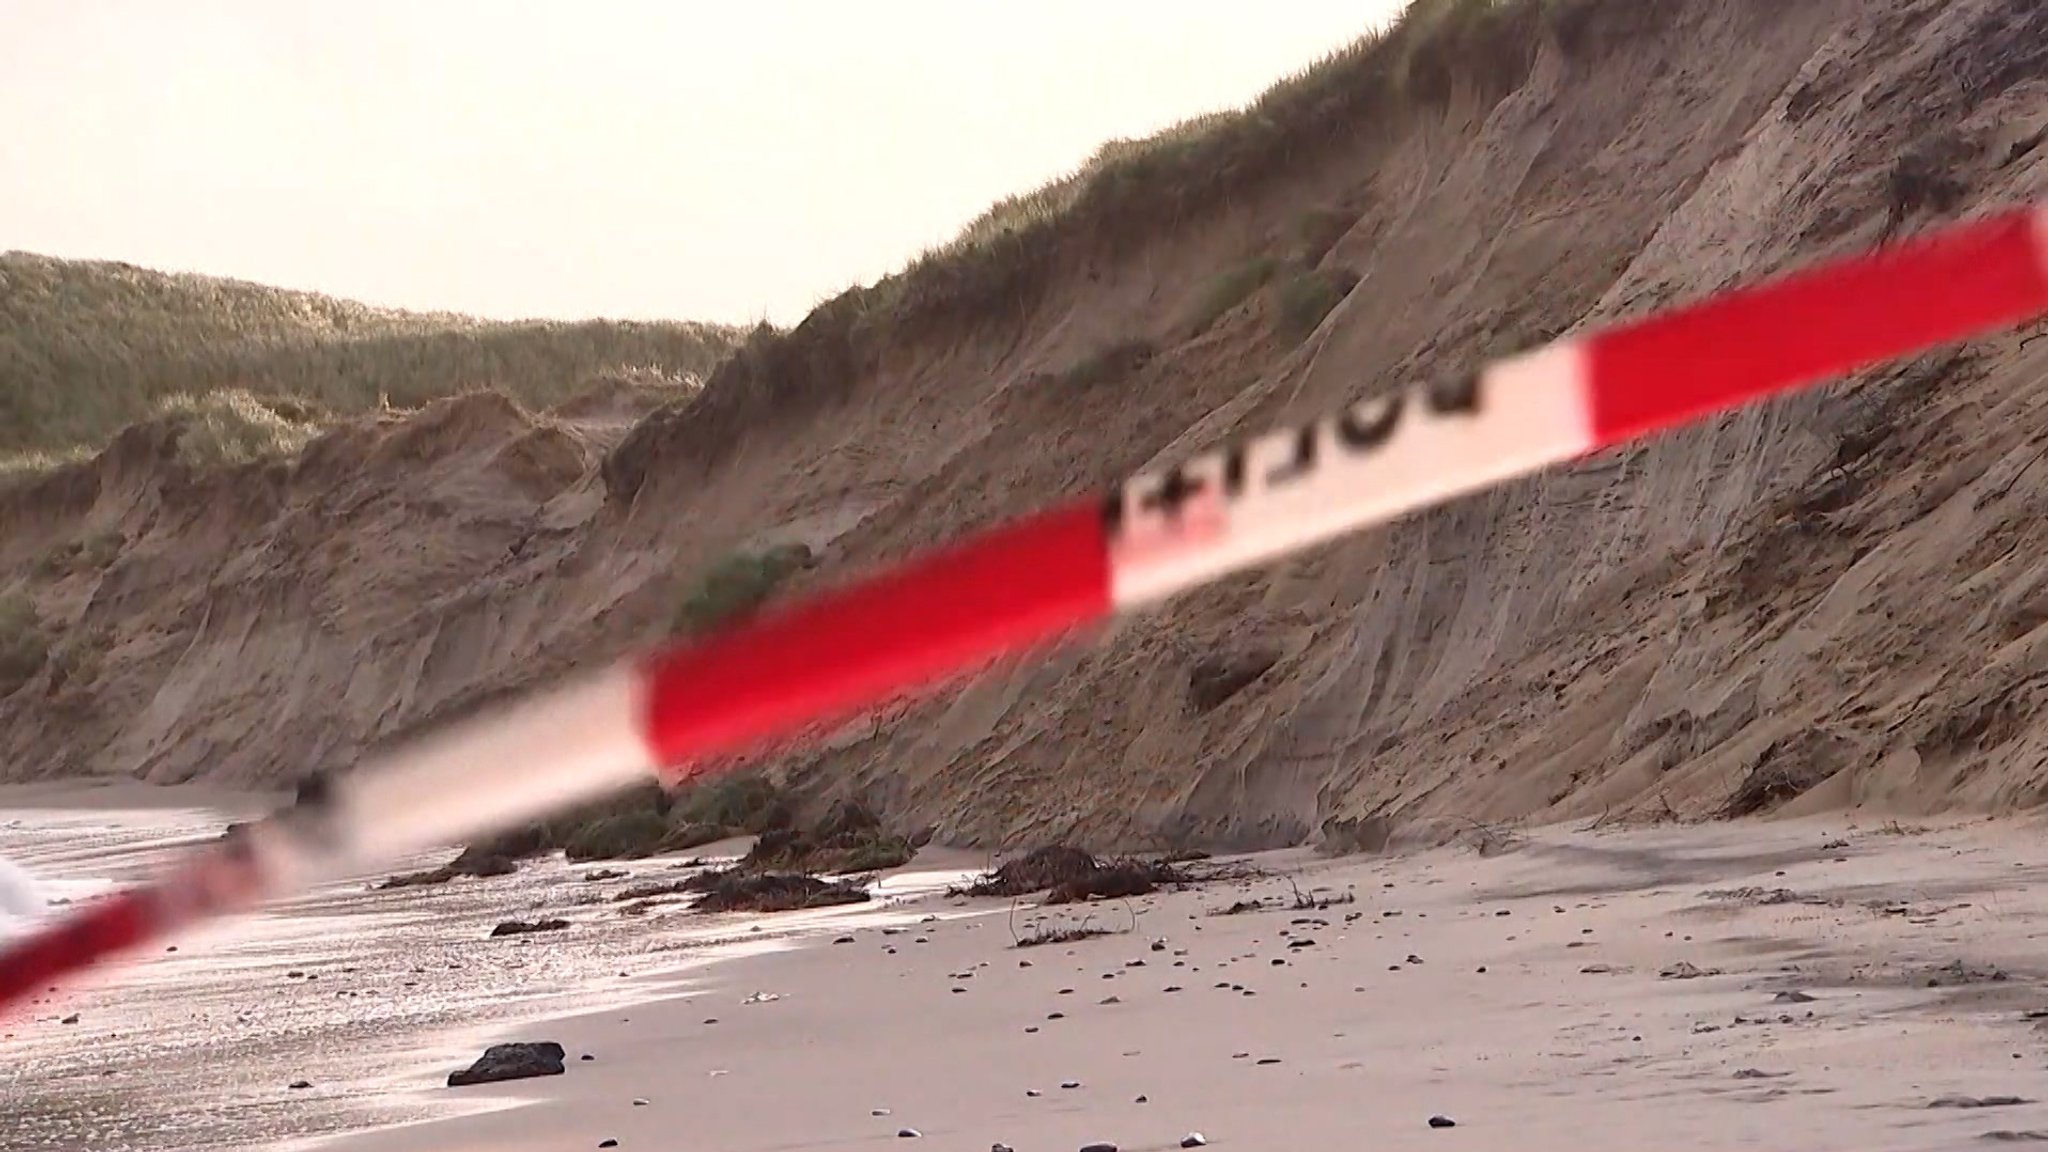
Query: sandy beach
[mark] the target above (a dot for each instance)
(1803, 985)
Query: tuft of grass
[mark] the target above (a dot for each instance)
(620, 837)
(1227, 289)
(23, 644)
(88, 347)
(1110, 365)
(736, 587)
(1040, 936)
(1305, 298)
(1318, 230)
(231, 426)
(733, 804)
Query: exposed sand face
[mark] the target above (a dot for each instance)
(1835, 582)
(1538, 996)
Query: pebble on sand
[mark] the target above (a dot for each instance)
(1442, 1122)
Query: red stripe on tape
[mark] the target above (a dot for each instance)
(110, 926)
(823, 658)
(1830, 320)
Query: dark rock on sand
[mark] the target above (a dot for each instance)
(736, 891)
(1978, 1101)
(1074, 876)
(521, 927)
(514, 1061)
(1442, 1122)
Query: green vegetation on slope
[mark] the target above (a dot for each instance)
(1132, 193)
(736, 587)
(89, 347)
(1433, 48)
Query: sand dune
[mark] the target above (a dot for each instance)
(1829, 596)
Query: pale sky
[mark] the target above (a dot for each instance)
(572, 158)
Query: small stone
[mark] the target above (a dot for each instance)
(1193, 1140)
(639, 1103)
(1102, 1147)
(908, 1133)
(71, 1019)
(1268, 1060)
(1141, 1100)
(1442, 1122)
(1033, 1092)
(999, 1146)
(1070, 1083)
(586, 1056)
(300, 1084)
(878, 1111)
(607, 1143)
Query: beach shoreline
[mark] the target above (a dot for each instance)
(364, 998)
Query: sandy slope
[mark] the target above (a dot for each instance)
(1804, 985)
(1834, 596)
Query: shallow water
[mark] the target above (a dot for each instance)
(370, 996)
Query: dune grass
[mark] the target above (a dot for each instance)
(87, 347)
(1129, 194)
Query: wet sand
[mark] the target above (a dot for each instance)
(367, 996)
(1802, 985)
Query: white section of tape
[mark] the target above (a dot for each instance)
(1534, 410)
(496, 771)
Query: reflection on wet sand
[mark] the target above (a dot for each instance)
(357, 994)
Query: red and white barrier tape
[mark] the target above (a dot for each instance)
(1029, 581)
